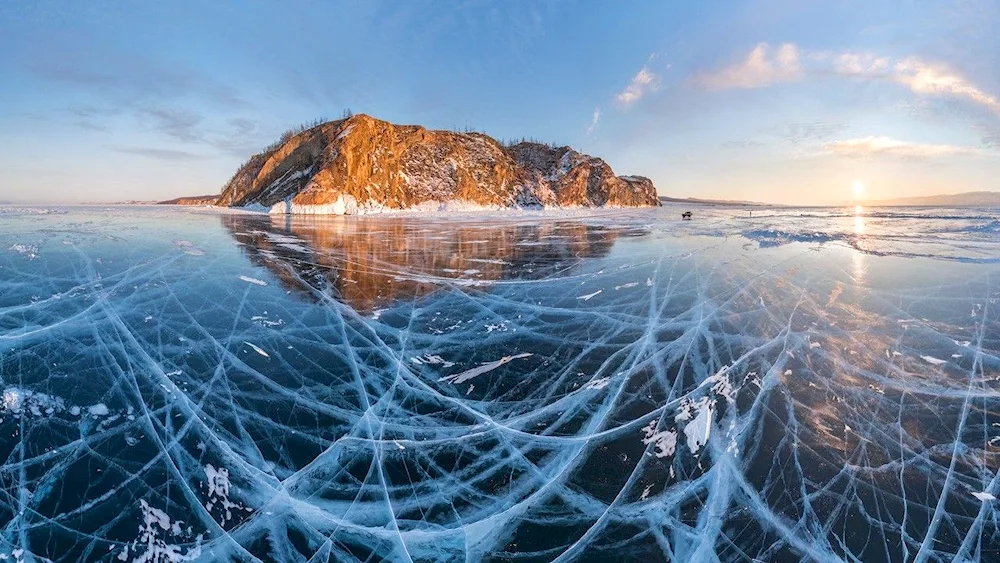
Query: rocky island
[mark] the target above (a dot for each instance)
(360, 164)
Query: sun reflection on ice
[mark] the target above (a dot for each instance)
(860, 268)
(859, 220)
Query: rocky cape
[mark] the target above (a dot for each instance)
(191, 200)
(361, 164)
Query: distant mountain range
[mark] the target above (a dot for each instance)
(966, 199)
(665, 199)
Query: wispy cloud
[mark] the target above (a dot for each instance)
(765, 65)
(867, 147)
(182, 104)
(990, 136)
(128, 78)
(642, 83)
(176, 123)
(594, 120)
(742, 144)
(761, 67)
(806, 132)
(925, 78)
(89, 125)
(161, 154)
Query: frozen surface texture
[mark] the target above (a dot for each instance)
(601, 385)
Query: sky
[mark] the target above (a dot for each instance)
(789, 101)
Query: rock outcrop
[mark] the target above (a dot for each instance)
(361, 164)
(191, 200)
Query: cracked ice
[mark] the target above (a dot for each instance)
(600, 385)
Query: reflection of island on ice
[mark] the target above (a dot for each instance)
(368, 263)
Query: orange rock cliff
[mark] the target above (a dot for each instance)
(362, 163)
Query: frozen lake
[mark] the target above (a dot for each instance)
(802, 384)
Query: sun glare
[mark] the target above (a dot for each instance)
(859, 189)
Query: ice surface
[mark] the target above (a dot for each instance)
(818, 385)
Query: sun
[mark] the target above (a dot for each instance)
(859, 189)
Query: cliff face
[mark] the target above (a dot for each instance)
(561, 176)
(361, 163)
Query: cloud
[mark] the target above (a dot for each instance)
(593, 121)
(242, 126)
(161, 154)
(761, 67)
(990, 136)
(89, 125)
(176, 123)
(804, 132)
(742, 144)
(765, 66)
(124, 79)
(856, 64)
(642, 83)
(237, 136)
(924, 78)
(885, 146)
(180, 103)
(242, 137)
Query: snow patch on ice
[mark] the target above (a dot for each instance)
(664, 441)
(30, 251)
(600, 383)
(698, 430)
(23, 401)
(152, 547)
(477, 371)
(188, 247)
(254, 281)
(257, 349)
(431, 360)
(218, 492)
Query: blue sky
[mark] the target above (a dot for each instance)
(776, 100)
